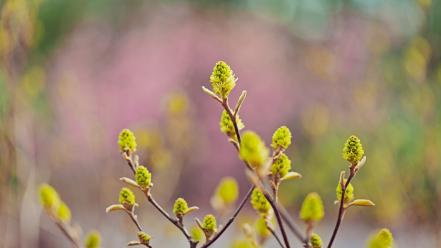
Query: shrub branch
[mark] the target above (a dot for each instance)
(341, 209)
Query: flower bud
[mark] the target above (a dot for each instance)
(316, 241)
(63, 212)
(180, 207)
(253, 149)
(259, 202)
(144, 238)
(349, 192)
(93, 240)
(353, 150)
(226, 125)
(196, 234)
(312, 208)
(281, 166)
(261, 229)
(126, 198)
(48, 196)
(143, 177)
(127, 141)
(222, 79)
(383, 239)
(209, 225)
(281, 138)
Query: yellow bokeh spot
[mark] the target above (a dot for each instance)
(33, 81)
(378, 40)
(315, 120)
(321, 61)
(416, 58)
(177, 104)
(425, 3)
(365, 96)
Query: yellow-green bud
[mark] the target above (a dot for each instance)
(63, 212)
(222, 79)
(177, 103)
(316, 241)
(253, 149)
(126, 198)
(353, 150)
(281, 166)
(93, 240)
(143, 177)
(383, 239)
(127, 141)
(144, 238)
(180, 207)
(226, 125)
(227, 190)
(259, 202)
(312, 208)
(196, 233)
(281, 138)
(261, 228)
(209, 225)
(48, 196)
(349, 194)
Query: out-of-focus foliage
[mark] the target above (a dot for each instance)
(93, 240)
(382, 239)
(312, 208)
(226, 194)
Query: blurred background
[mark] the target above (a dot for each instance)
(74, 73)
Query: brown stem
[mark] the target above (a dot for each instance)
(292, 227)
(275, 187)
(151, 200)
(134, 219)
(309, 228)
(341, 209)
(232, 218)
(278, 217)
(130, 163)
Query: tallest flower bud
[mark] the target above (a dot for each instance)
(353, 150)
(222, 79)
(127, 141)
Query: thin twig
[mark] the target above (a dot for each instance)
(275, 208)
(130, 163)
(292, 227)
(341, 208)
(152, 201)
(278, 217)
(286, 218)
(172, 220)
(309, 228)
(134, 219)
(275, 235)
(268, 196)
(67, 233)
(231, 220)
